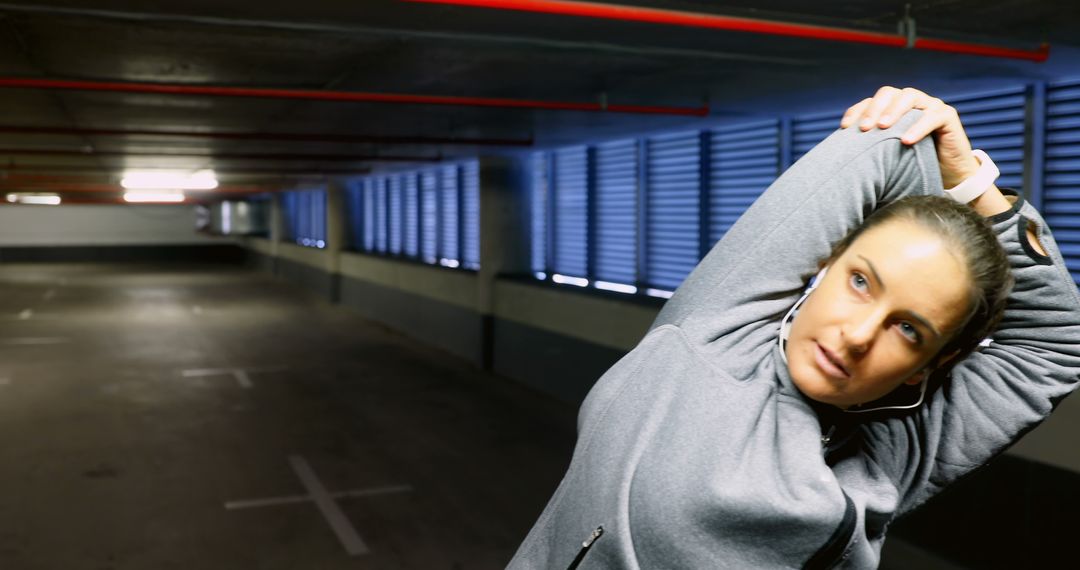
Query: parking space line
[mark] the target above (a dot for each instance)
(339, 523)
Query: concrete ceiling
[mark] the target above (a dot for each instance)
(425, 49)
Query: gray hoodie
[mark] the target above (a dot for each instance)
(695, 450)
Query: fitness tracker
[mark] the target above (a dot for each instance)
(980, 182)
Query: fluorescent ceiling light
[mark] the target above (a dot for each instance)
(165, 180)
(156, 196)
(659, 293)
(40, 199)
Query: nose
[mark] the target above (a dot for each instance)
(860, 330)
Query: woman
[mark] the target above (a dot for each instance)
(742, 434)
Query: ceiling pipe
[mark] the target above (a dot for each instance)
(302, 137)
(7, 169)
(342, 96)
(90, 153)
(751, 25)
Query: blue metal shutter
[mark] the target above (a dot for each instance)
(1061, 182)
(673, 195)
(304, 217)
(538, 164)
(429, 221)
(380, 215)
(319, 218)
(396, 213)
(745, 160)
(994, 122)
(616, 212)
(411, 201)
(470, 217)
(570, 216)
(289, 213)
(448, 214)
(369, 214)
(808, 130)
(354, 209)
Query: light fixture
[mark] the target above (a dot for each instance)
(617, 287)
(154, 196)
(169, 180)
(567, 280)
(34, 198)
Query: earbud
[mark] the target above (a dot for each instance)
(785, 323)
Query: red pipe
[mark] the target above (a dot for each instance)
(305, 137)
(239, 171)
(731, 23)
(222, 155)
(344, 96)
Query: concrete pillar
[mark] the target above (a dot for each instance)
(336, 235)
(504, 235)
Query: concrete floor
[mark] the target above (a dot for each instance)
(120, 445)
(137, 403)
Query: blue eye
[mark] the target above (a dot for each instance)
(908, 330)
(859, 282)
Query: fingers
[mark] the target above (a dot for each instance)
(889, 104)
(903, 102)
(854, 112)
(937, 116)
(882, 100)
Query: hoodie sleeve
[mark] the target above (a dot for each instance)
(756, 272)
(998, 394)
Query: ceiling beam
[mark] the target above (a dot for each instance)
(277, 156)
(301, 137)
(343, 96)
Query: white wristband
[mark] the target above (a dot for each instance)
(976, 184)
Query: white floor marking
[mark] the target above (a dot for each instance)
(240, 374)
(340, 524)
(5, 381)
(325, 501)
(293, 499)
(26, 314)
(196, 309)
(33, 341)
(268, 502)
(242, 378)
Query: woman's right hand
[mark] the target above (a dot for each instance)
(955, 158)
(939, 120)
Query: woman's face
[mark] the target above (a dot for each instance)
(885, 308)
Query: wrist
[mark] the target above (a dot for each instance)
(991, 203)
(957, 173)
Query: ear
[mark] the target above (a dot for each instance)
(918, 378)
(925, 374)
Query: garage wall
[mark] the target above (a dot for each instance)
(78, 225)
(109, 233)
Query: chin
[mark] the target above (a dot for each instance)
(815, 385)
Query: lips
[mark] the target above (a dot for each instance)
(829, 362)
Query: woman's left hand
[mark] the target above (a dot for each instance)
(940, 120)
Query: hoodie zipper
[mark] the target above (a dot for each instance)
(825, 439)
(585, 546)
